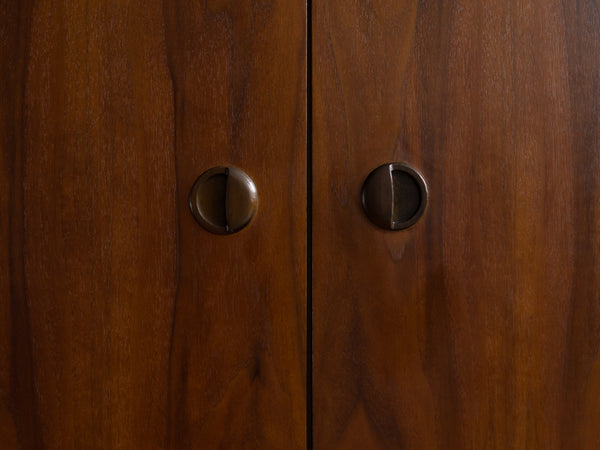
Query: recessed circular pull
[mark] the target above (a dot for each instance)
(224, 200)
(394, 196)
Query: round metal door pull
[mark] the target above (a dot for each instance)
(394, 196)
(224, 200)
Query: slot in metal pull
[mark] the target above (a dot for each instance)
(394, 196)
(224, 200)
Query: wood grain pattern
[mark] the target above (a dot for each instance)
(123, 324)
(480, 326)
(238, 361)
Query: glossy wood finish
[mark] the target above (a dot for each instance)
(123, 324)
(480, 326)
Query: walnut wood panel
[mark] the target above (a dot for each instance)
(480, 326)
(123, 324)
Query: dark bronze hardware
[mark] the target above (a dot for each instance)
(224, 200)
(394, 196)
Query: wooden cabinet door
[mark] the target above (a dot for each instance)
(479, 327)
(124, 324)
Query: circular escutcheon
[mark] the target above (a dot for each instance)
(394, 196)
(224, 200)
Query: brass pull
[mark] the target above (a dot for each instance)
(394, 196)
(224, 200)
